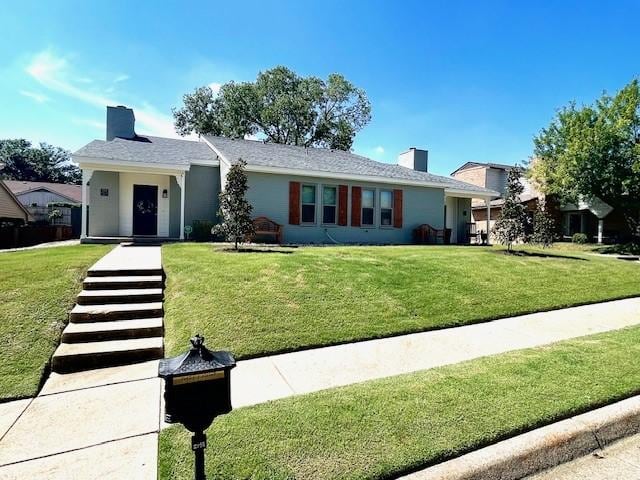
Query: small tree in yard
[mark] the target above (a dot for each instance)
(235, 210)
(544, 226)
(510, 227)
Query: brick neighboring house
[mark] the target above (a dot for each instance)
(493, 176)
(595, 218)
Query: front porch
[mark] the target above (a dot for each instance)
(134, 204)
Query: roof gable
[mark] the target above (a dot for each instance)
(10, 209)
(68, 191)
(469, 165)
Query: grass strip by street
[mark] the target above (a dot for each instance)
(383, 428)
(37, 289)
(263, 303)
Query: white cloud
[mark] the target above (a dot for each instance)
(215, 87)
(121, 78)
(54, 72)
(35, 96)
(379, 150)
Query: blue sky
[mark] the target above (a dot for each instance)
(465, 80)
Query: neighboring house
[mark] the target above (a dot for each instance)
(36, 197)
(595, 218)
(152, 186)
(11, 210)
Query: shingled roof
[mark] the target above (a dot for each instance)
(274, 155)
(148, 149)
(182, 153)
(72, 192)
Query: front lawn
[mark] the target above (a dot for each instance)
(383, 428)
(37, 289)
(261, 303)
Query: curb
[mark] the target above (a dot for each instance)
(542, 448)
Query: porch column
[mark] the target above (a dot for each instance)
(487, 202)
(86, 177)
(600, 229)
(181, 184)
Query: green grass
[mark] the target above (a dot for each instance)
(382, 428)
(260, 303)
(37, 289)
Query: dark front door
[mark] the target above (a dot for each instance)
(145, 210)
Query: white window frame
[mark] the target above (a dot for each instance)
(335, 205)
(315, 203)
(373, 208)
(390, 192)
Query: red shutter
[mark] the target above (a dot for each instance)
(294, 203)
(356, 203)
(343, 200)
(397, 208)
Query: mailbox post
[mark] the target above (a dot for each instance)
(197, 389)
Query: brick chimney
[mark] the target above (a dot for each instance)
(415, 159)
(120, 123)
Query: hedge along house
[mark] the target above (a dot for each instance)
(142, 186)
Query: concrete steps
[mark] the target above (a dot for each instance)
(118, 317)
(73, 357)
(115, 330)
(124, 272)
(128, 295)
(115, 311)
(124, 282)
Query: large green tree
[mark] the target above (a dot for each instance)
(19, 160)
(281, 106)
(594, 151)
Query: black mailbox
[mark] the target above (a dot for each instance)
(197, 390)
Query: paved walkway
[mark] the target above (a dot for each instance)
(618, 461)
(63, 243)
(268, 378)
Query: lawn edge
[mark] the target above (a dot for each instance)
(543, 447)
(477, 321)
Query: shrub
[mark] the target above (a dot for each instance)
(201, 231)
(580, 238)
(511, 226)
(544, 226)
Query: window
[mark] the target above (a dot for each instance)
(329, 204)
(308, 204)
(368, 205)
(386, 208)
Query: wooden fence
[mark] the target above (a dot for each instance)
(25, 236)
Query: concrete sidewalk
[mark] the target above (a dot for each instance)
(95, 424)
(268, 378)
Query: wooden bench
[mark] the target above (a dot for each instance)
(425, 234)
(262, 226)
